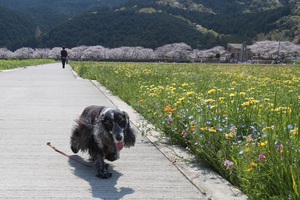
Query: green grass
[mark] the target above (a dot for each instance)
(11, 64)
(241, 120)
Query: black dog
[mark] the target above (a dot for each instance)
(102, 132)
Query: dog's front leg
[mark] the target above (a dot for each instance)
(102, 168)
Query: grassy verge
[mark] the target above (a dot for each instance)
(241, 120)
(11, 64)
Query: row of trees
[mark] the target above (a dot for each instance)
(175, 51)
(276, 49)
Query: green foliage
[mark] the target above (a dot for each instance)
(12, 64)
(50, 13)
(242, 121)
(15, 28)
(93, 22)
(125, 28)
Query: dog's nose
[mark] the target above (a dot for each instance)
(119, 137)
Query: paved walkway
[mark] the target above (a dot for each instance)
(39, 105)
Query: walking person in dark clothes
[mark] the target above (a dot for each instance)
(64, 55)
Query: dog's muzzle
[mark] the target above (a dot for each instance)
(118, 135)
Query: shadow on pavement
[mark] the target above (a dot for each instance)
(100, 188)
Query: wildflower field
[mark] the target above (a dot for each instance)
(241, 120)
(11, 64)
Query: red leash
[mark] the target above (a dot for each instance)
(68, 156)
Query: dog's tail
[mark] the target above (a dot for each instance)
(74, 139)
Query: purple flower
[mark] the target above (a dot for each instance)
(170, 121)
(183, 133)
(228, 164)
(261, 158)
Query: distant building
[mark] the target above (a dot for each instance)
(237, 52)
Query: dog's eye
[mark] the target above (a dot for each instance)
(121, 121)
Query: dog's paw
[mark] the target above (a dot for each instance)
(104, 175)
(106, 166)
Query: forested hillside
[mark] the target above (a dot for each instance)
(49, 13)
(126, 28)
(147, 23)
(15, 28)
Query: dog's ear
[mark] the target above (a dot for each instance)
(129, 136)
(126, 116)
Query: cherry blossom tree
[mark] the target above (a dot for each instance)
(122, 53)
(176, 51)
(5, 53)
(94, 53)
(55, 53)
(76, 53)
(173, 51)
(24, 53)
(288, 50)
(208, 53)
(41, 53)
(147, 53)
(275, 49)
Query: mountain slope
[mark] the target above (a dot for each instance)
(149, 23)
(243, 19)
(124, 28)
(50, 13)
(15, 28)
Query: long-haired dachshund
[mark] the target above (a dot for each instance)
(102, 132)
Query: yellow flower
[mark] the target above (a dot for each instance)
(254, 101)
(245, 104)
(224, 115)
(212, 130)
(249, 169)
(203, 128)
(221, 98)
(185, 85)
(209, 100)
(211, 91)
(295, 132)
(229, 136)
(232, 95)
(214, 106)
(242, 93)
(190, 93)
(263, 144)
(247, 150)
(271, 104)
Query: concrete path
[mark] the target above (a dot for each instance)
(39, 105)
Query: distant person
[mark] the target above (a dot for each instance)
(64, 56)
